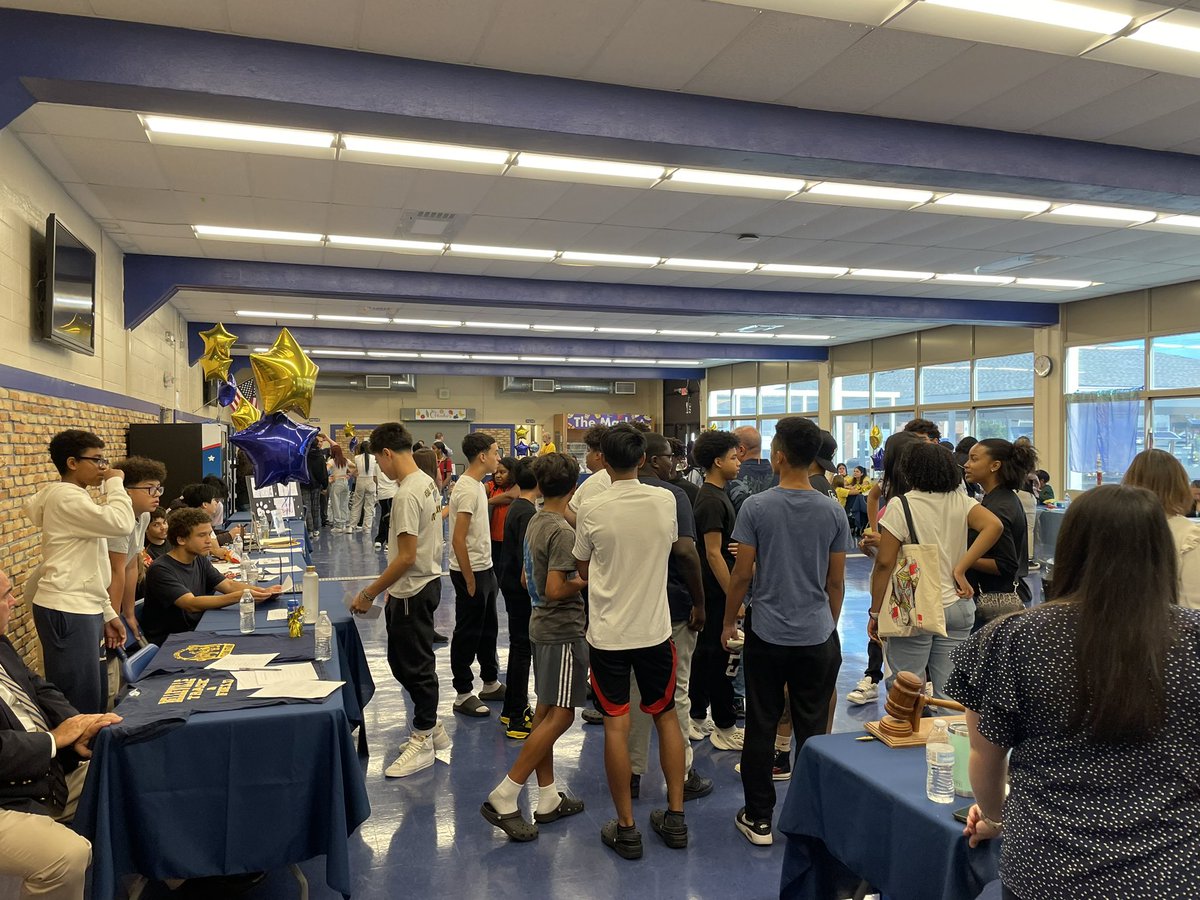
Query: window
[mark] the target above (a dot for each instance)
(891, 422)
(1004, 377)
(802, 397)
(719, 403)
(1106, 367)
(766, 427)
(947, 383)
(852, 392)
(1176, 429)
(743, 423)
(853, 436)
(772, 398)
(893, 388)
(1008, 422)
(1175, 361)
(1104, 434)
(719, 424)
(954, 424)
(745, 401)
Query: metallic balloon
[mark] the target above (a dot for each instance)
(875, 437)
(228, 393)
(244, 413)
(278, 449)
(215, 361)
(285, 375)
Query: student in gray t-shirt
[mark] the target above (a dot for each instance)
(144, 483)
(560, 653)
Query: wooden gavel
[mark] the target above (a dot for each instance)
(906, 701)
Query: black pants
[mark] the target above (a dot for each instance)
(475, 630)
(520, 652)
(874, 661)
(810, 675)
(385, 520)
(710, 684)
(410, 650)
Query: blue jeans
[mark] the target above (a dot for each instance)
(916, 654)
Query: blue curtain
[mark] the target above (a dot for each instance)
(1103, 424)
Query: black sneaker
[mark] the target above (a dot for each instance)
(696, 786)
(592, 716)
(439, 638)
(739, 707)
(519, 728)
(671, 827)
(635, 785)
(626, 841)
(757, 831)
(781, 769)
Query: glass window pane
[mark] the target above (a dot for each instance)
(1008, 422)
(852, 434)
(894, 388)
(802, 397)
(946, 383)
(766, 427)
(891, 422)
(1107, 367)
(745, 401)
(852, 392)
(954, 424)
(718, 403)
(1103, 435)
(772, 398)
(1004, 377)
(1176, 429)
(1175, 361)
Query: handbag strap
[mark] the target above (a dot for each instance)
(912, 529)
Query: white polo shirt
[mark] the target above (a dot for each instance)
(626, 533)
(470, 497)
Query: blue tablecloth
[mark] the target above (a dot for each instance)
(226, 793)
(859, 809)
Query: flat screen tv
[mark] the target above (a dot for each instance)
(68, 290)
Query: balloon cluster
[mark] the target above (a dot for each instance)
(286, 377)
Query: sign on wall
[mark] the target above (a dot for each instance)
(588, 420)
(437, 414)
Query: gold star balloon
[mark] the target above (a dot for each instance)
(285, 375)
(216, 361)
(349, 430)
(243, 413)
(875, 438)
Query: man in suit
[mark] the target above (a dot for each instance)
(42, 744)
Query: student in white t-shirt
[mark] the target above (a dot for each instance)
(474, 580)
(941, 514)
(413, 583)
(144, 483)
(596, 483)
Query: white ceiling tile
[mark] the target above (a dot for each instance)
(559, 235)
(231, 250)
(523, 198)
(359, 184)
(45, 149)
(335, 21)
(363, 221)
(655, 209)
(285, 177)
(215, 209)
(203, 171)
(290, 215)
(66, 7)
(720, 213)
(1120, 110)
(590, 203)
(209, 16)
(447, 30)
(447, 192)
(139, 205)
(1170, 130)
(358, 259)
(166, 246)
(494, 231)
(119, 163)
(84, 121)
(549, 37)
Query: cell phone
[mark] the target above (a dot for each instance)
(961, 814)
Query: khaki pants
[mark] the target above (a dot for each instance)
(50, 859)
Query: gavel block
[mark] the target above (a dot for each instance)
(905, 704)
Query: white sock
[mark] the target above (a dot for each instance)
(504, 797)
(422, 733)
(491, 686)
(548, 798)
(462, 698)
(782, 743)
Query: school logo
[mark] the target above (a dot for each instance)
(184, 690)
(203, 652)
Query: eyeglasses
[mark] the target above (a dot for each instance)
(153, 490)
(100, 461)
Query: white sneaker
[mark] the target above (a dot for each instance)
(378, 546)
(865, 691)
(698, 731)
(727, 738)
(441, 740)
(417, 755)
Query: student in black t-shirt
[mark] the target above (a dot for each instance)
(156, 535)
(182, 585)
(517, 717)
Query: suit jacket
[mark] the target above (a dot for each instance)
(30, 780)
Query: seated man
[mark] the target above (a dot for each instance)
(181, 585)
(42, 743)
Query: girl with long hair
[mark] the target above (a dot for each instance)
(339, 489)
(1164, 476)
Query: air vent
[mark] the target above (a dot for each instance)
(624, 387)
(379, 382)
(543, 386)
(428, 224)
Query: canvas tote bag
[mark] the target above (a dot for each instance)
(913, 601)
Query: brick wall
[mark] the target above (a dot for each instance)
(27, 422)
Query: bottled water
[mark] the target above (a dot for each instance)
(246, 608)
(939, 763)
(324, 642)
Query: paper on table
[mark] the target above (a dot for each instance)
(288, 585)
(299, 690)
(257, 678)
(238, 661)
(276, 615)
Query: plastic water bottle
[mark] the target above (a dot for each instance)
(310, 593)
(939, 761)
(324, 642)
(246, 608)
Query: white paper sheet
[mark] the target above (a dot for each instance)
(257, 678)
(374, 612)
(235, 662)
(276, 615)
(299, 690)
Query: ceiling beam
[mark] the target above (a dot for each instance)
(449, 367)
(125, 65)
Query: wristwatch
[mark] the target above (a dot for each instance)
(873, 615)
(992, 823)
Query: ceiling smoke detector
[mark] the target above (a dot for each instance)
(747, 238)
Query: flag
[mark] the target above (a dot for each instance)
(249, 391)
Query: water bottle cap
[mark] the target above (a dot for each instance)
(939, 723)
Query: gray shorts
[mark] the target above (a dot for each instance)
(560, 673)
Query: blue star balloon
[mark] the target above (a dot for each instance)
(278, 449)
(227, 392)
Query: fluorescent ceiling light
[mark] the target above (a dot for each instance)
(502, 252)
(679, 362)
(234, 131)
(715, 265)
(337, 353)
(263, 314)
(444, 356)
(1102, 213)
(510, 326)
(1064, 283)
(608, 259)
(870, 192)
(1168, 34)
(1045, 12)
(391, 354)
(581, 166)
(737, 180)
(256, 234)
(590, 360)
(811, 271)
(543, 359)
(975, 279)
(891, 274)
(627, 330)
(744, 334)
(804, 337)
(432, 323)
(369, 320)
(635, 362)
(984, 201)
(261, 350)
(578, 328)
(675, 333)
(487, 357)
(345, 240)
(424, 150)
(1179, 221)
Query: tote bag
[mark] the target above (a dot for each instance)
(912, 602)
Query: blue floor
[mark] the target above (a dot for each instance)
(426, 837)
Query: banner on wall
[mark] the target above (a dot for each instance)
(589, 420)
(431, 414)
